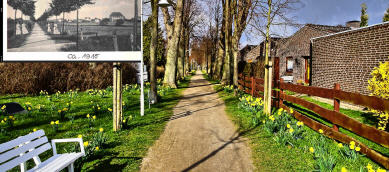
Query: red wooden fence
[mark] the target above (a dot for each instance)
(254, 86)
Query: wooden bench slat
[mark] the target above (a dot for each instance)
(16, 152)
(15, 162)
(13, 143)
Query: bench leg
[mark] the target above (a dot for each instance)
(71, 168)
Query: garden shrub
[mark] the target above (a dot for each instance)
(379, 86)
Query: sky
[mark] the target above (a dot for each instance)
(101, 9)
(329, 12)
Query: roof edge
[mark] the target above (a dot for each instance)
(352, 30)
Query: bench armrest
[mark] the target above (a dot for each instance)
(65, 141)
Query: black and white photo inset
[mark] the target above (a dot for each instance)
(72, 26)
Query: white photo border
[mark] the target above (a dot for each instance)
(79, 56)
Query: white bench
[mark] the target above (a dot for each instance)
(20, 150)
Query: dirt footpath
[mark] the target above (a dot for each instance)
(199, 136)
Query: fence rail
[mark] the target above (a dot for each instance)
(254, 86)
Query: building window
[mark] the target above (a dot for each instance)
(289, 64)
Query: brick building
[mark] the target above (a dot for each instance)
(294, 52)
(348, 57)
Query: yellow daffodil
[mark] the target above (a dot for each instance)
(94, 116)
(263, 121)
(352, 143)
(291, 111)
(291, 130)
(369, 166)
(287, 125)
(300, 123)
(29, 108)
(79, 136)
(352, 147)
(311, 149)
(65, 109)
(357, 148)
(101, 129)
(5, 119)
(2, 121)
(124, 121)
(86, 143)
(57, 122)
(321, 131)
(52, 123)
(97, 148)
(340, 145)
(88, 116)
(3, 107)
(34, 129)
(59, 111)
(380, 170)
(109, 109)
(344, 169)
(28, 103)
(98, 107)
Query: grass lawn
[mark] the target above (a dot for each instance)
(269, 155)
(357, 115)
(123, 150)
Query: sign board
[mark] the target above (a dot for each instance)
(103, 31)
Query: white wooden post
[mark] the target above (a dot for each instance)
(142, 97)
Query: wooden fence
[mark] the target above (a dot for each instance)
(254, 86)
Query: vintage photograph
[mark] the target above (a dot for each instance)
(73, 25)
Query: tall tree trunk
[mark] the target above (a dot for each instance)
(187, 36)
(63, 23)
(173, 32)
(267, 109)
(226, 79)
(181, 56)
(15, 21)
(153, 52)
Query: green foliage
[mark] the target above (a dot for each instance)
(364, 16)
(147, 28)
(386, 16)
(379, 86)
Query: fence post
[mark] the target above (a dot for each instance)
(252, 86)
(280, 101)
(336, 105)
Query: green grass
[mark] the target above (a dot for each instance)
(124, 150)
(357, 115)
(268, 155)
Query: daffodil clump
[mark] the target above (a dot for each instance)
(96, 108)
(3, 110)
(251, 104)
(28, 107)
(350, 152)
(228, 88)
(286, 130)
(163, 90)
(7, 123)
(72, 93)
(55, 125)
(91, 119)
(379, 86)
(370, 168)
(93, 144)
(43, 93)
(62, 113)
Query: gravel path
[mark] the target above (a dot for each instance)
(199, 136)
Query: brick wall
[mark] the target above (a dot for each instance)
(297, 46)
(348, 58)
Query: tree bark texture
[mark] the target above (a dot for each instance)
(153, 52)
(173, 32)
